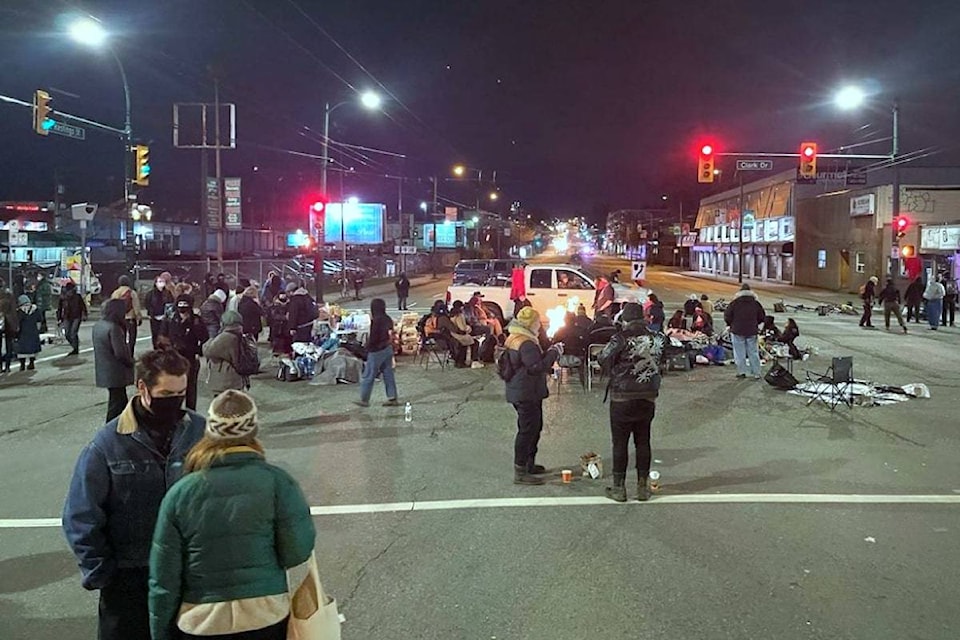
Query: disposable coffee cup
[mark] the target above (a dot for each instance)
(567, 475)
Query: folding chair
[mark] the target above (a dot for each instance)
(571, 362)
(593, 365)
(437, 349)
(834, 386)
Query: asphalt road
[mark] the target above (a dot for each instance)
(775, 520)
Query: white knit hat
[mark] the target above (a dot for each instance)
(232, 416)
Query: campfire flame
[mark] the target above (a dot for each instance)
(556, 314)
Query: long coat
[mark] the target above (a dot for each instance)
(222, 353)
(112, 362)
(28, 339)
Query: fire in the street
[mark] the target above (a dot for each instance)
(555, 315)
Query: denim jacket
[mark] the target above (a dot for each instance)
(115, 494)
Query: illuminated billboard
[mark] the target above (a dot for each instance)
(362, 222)
(446, 234)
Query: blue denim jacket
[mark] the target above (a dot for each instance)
(115, 494)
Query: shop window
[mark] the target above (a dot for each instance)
(822, 259)
(861, 263)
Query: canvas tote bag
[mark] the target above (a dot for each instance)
(313, 614)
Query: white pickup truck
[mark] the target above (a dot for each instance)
(548, 287)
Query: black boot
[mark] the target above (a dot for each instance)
(618, 492)
(522, 476)
(534, 468)
(643, 488)
(30, 366)
(23, 364)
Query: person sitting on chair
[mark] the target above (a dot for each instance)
(702, 322)
(677, 321)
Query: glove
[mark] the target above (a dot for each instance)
(558, 347)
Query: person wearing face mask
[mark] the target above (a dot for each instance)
(117, 486)
(186, 333)
(112, 362)
(157, 301)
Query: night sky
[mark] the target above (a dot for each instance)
(578, 106)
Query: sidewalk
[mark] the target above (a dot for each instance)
(384, 289)
(788, 292)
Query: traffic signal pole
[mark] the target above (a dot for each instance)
(740, 235)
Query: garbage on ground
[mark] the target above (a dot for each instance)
(592, 465)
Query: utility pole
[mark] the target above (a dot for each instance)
(740, 235)
(895, 201)
(220, 203)
(433, 246)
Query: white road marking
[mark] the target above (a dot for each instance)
(583, 501)
(82, 351)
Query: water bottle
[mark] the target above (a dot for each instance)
(653, 480)
(408, 413)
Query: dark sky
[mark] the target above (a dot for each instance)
(574, 104)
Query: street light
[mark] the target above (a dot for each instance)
(459, 170)
(369, 100)
(494, 195)
(850, 97)
(90, 33)
(423, 207)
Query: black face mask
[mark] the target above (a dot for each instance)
(167, 408)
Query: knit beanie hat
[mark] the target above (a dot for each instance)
(232, 416)
(744, 287)
(219, 295)
(528, 317)
(22, 300)
(631, 311)
(231, 318)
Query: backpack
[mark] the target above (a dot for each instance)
(248, 358)
(950, 287)
(506, 368)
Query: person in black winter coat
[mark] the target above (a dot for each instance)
(251, 312)
(632, 358)
(868, 296)
(155, 303)
(890, 299)
(186, 333)
(403, 291)
(301, 312)
(71, 311)
(655, 315)
(744, 315)
(789, 336)
(211, 312)
(913, 297)
(526, 390)
(112, 360)
(691, 305)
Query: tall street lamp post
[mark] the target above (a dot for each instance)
(91, 33)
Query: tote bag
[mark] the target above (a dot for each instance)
(313, 614)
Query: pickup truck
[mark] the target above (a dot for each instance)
(546, 291)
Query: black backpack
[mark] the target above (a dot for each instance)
(248, 358)
(506, 368)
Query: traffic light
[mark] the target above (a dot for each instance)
(908, 251)
(141, 174)
(808, 160)
(706, 165)
(42, 122)
(901, 224)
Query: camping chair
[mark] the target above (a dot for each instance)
(834, 386)
(436, 348)
(593, 365)
(571, 362)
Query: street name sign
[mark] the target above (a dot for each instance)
(754, 165)
(69, 131)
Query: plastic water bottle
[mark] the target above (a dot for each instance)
(408, 413)
(653, 480)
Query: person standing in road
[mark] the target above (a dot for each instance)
(223, 354)
(403, 291)
(655, 315)
(71, 311)
(9, 327)
(706, 304)
(186, 333)
(949, 300)
(603, 302)
(158, 302)
(379, 356)
(112, 363)
(211, 311)
(632, 358)
(358, 284)
(890, 298)
(249, 309)
(744, 315)
(301, 312)
(41, 297)
(868, 294)
(133, 315)
(28, 336)
(933, 294)
(913, 297)
(526, 389)
(117, 486)
(232, 499)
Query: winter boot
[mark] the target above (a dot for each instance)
(30, 366)
(534, 468)
(23, 364)
(522, 476)
(643, 488)
(618, 492)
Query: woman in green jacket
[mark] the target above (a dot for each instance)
(226, 535)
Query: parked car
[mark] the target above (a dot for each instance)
(484, 272)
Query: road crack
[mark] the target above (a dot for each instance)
(459, 407)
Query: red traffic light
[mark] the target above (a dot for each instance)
(318, 206)
(902, 223)
(706, 150)
(809, 150)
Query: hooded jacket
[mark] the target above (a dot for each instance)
(71, 306)
(112, 362)
(222, 354)
(633, 358)
(301, 310)
(530, 364)
(744, 314)
(212, 308)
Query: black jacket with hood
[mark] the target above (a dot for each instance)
(632, 359)
(744, 314)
